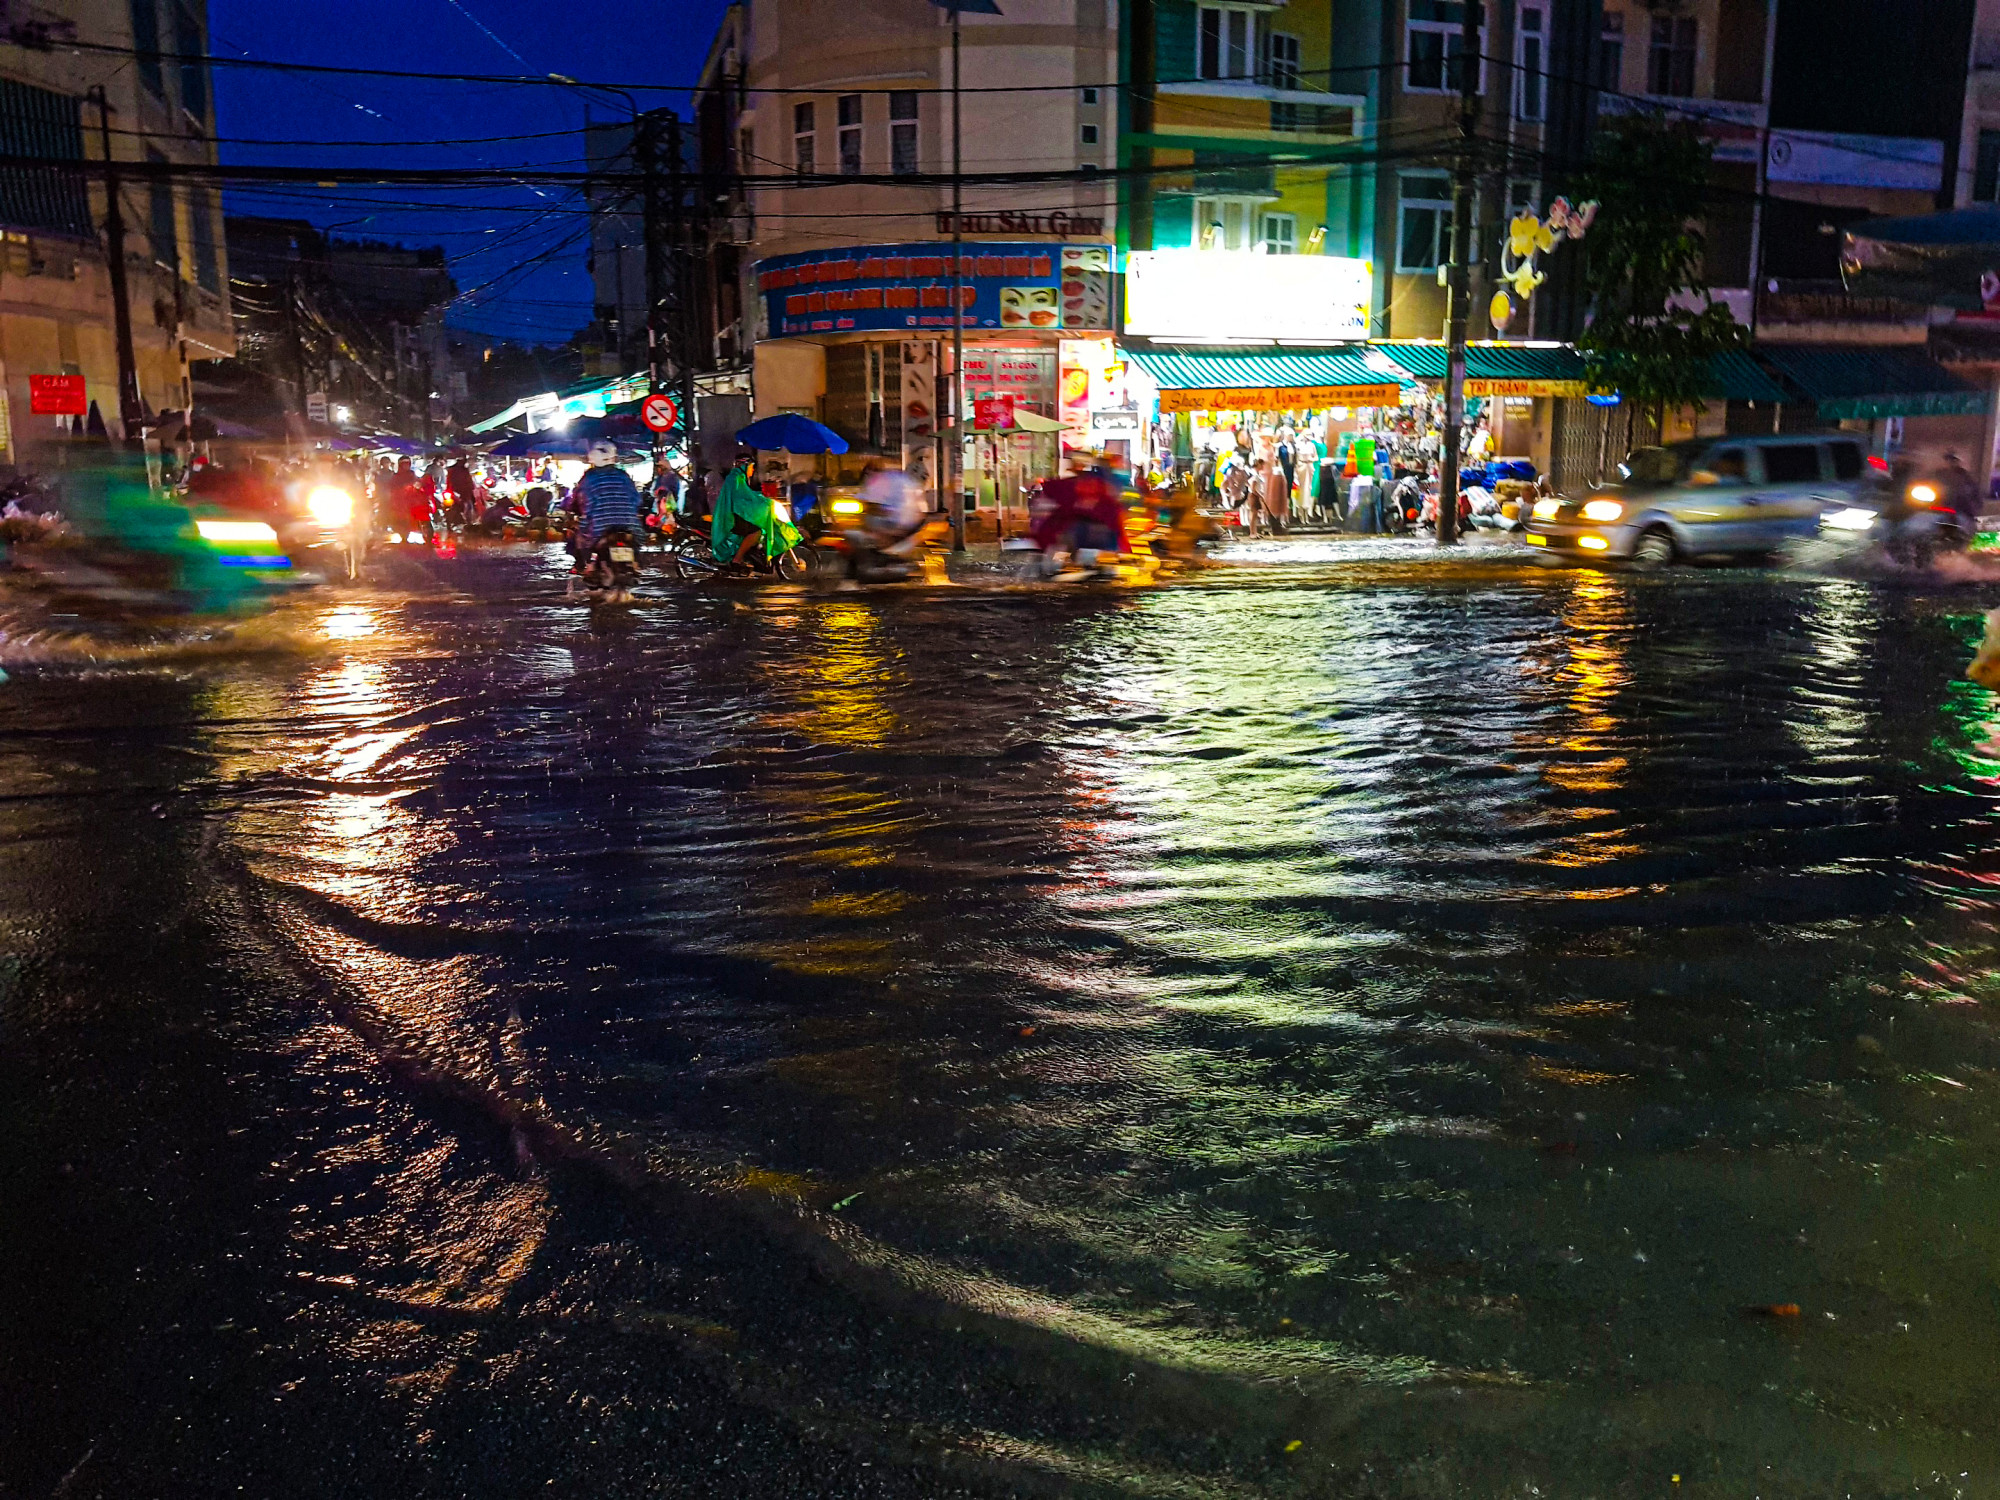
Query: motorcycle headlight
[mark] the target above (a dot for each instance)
(1602, 510)
(1924, 494)
(234, 531)
(330, 507)
(1545, 510)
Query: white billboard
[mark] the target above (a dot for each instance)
(1823, 159)
(1239, 296)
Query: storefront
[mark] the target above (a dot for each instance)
(860, 339)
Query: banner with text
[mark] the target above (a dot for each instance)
(884, 288)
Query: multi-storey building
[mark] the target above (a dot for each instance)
(846, 287)
(56, 305)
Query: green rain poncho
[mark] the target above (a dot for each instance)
(738, 499)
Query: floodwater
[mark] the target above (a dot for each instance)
(1347, 1023)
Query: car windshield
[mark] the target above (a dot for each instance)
(1646, 467)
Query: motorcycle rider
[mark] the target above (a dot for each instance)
(745, 519)
(1087, 513)
(1959, 495)
(604, 499)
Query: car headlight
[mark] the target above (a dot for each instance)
(1849, 520)
(1593, 543)
(235, 531)
(1545, 510)
(1602, 510)
(330, 507)
(847, 507)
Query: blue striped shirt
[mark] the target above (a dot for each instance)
(609, 499)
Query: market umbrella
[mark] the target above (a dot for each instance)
(525, 444)
(791, 433)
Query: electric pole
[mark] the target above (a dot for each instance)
(646, 154)
(131, 411)
(1458, 284)
(957, 475)
(681, 201)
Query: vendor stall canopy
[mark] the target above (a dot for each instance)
(1950, 259)
(1851, 382)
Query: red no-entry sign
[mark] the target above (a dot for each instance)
(659, 413)
(57, 396)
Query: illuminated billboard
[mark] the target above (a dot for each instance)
(1239, 296)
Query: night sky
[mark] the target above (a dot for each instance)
(517, 253)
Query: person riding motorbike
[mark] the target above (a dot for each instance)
(745, 519)
(604, 499)
(1087, 513)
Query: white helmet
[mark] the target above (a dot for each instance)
(603, 453)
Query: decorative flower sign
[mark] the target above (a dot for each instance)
(1528, 239)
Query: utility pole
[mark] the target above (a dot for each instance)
(684, 288)
(130, 409)
(646, 152)
(957, 311)
(1458, 292)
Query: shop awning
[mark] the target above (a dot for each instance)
(1867, 383)
(1734, 376)
(1263, 379)
(1495, 369)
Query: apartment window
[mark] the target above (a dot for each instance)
(1225, 223)
(1281, 234)
(1530, 63)
(1088, 134)
(850, 135)
(1282, 68)
(1611, 53)
(803, 138)
(1670, 70)
(1090, 96)
(1423, 238)
(1228, 46)
(1433, 38)
(146, 42)
(1523, 197)
(903, 133)
(191, 44)
(165, 237)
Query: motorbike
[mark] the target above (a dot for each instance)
(334, 531)
(864, 543)
(688, 555)
(612, 569)
(1911, 523)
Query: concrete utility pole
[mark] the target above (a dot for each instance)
(681, 203)
(646, 154)
(1458, 285)
(131, 410)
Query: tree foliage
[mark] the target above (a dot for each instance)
(1654, 328)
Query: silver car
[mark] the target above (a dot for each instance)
(1707, 497)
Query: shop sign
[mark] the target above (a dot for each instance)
(1523, 387)
(1060, 225)
(1266, 398)
(1120, 422)
(994, 412)
(899, 287)
(1200, 296)
(1880, 161)
(57, 396)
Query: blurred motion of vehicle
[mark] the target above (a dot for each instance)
(612, 569)
(1732, 496)
(333, 532)
(863, 539)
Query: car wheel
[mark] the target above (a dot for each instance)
(1654, 550)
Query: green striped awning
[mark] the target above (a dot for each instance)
(1734, 376)
(1867, 383)
(1192, 379)
(1495, 369)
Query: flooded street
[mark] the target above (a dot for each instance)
(1347, 1023)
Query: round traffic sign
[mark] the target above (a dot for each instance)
(659, 413)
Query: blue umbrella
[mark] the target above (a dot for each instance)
(525, 444)
(789, 432)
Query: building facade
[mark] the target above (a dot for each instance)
(56, 305)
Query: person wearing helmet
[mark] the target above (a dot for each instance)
(603, 498)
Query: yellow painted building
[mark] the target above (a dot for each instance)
(55, 286)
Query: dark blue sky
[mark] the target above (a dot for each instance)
(523, 247)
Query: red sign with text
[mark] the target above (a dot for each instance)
(57, 396)
(994, 413)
